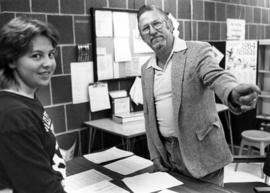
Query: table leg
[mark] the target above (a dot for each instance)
(126, 143)
(92, 133)
(228, 120)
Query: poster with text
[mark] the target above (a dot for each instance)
(241, 60)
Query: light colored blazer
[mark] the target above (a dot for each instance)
(196, 75)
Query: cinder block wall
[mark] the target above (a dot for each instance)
(206, 22)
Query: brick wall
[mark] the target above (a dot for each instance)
(72, 19)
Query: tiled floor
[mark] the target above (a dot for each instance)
(246, 172)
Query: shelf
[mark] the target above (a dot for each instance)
(264, 94)
(264, 71)
(264, 117)
(264, 42)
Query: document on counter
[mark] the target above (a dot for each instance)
(102, 187)
(151, 182)
(83, 179)
(107, 155)
(129, 165)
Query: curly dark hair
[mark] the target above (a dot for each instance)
(15, 41)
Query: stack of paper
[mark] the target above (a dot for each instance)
(107, 155)
(84, 179)
(147, 182)
(129, 165)
(128, 117)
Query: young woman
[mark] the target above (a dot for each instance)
(30, 160)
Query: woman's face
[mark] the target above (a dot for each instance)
(35, 68)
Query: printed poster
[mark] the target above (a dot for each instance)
(241, 60)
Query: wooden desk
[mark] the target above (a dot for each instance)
(127, 131)
(224, 109)
(190, 185)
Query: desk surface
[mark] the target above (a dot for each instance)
(190, 185)
(130, 129)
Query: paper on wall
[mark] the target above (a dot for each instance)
(104, 24)
(122, 50)
(99, 97)
(120, 24)
(241, 60)
(81, 76)
(105, 67)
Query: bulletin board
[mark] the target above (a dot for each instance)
(118, 50)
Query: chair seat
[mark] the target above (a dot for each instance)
(256, 135)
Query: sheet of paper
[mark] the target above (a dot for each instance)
(102, 187)
(136, 91)
(105, 67)
(236, 29)
(81, 76)
(99, 97)
(129, 165)
(103, 24)
(122, 50)
(117, 93)
(151, 182)
(101, 51)
(241, 60)
(120, 24)
(107, 155)
(84, 179)
(116, 70)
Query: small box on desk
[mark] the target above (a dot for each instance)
(120, 105)
(128, 117)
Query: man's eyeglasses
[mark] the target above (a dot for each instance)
(157, 24)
